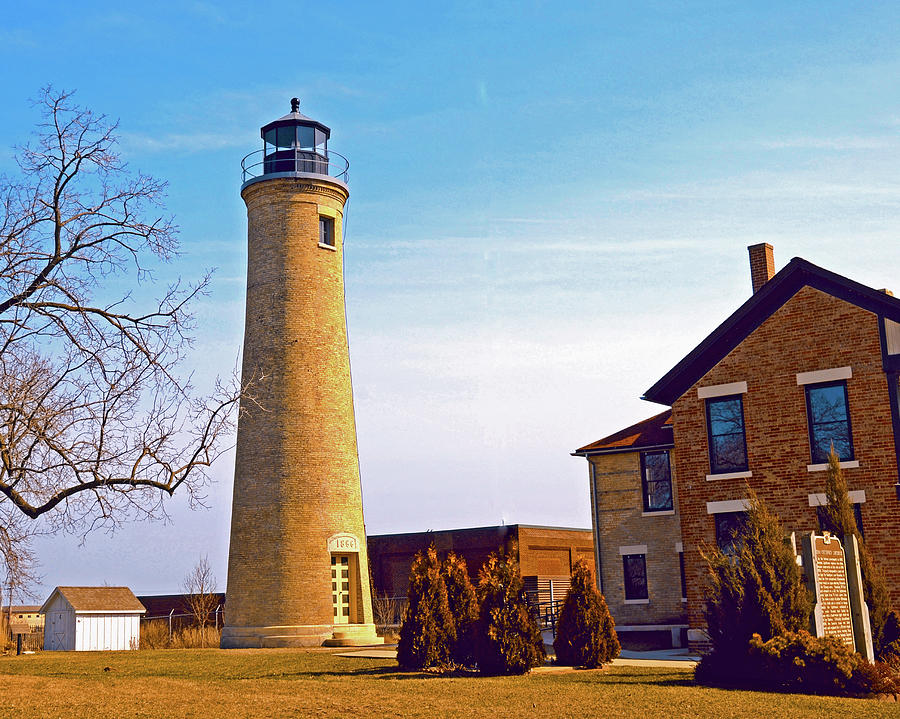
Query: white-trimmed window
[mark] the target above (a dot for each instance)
(725, 432)
(828, 417)
(634, 567)
(656, 481)
(326, 231)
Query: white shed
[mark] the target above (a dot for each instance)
(84, 619)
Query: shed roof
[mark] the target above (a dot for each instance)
(98, 599)
(653, 432)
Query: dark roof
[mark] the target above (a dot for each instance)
(99, 599)
(159, 605)
(798, 273)
(653, 432)
(503, 529)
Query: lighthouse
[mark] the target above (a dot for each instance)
(297, 567)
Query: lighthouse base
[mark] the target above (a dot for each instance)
(314, 635)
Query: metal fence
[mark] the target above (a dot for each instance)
(180, 620)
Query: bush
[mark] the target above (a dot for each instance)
(890, 648)
(800, 662)
(463, 605)
(837, 518)
(756, 590)
(507, 638)
(585, 632)
(429, 630)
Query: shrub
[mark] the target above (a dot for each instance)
(890, 648)
(800, 662)
(756, 590)
(585, 632)
(428, 631)
(463, 605)
(837, 518)
(507, 638)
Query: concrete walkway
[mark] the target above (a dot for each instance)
(659, 658)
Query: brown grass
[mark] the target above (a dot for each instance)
(294, 683)
(155, 635)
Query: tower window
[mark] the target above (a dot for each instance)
(326, 231)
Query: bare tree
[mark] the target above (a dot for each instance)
(97, 423)
(200, 590)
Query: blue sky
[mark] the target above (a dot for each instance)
(550, 205)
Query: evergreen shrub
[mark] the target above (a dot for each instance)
(507, 638)
(838, 518)
(428, 631)
(585, 632)
(756, 590)
(463, 605)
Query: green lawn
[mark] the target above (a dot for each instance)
(214, 683)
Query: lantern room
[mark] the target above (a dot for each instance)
(294, 146)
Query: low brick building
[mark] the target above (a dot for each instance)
(810, 360)
(546, 555)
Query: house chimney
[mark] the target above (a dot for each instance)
(762, 264)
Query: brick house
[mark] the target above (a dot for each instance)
(810, 360)
(637, 533)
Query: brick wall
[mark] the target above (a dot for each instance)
(297, 471)
(619, 504)
(812, 331)
(543, 551)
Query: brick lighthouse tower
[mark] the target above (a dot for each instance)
(297, 568)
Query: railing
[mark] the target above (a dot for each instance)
(546, 613)
(295, 160)
(389, 610)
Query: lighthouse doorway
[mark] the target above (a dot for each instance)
(342, 589)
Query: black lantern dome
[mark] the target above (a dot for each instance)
(295, 145)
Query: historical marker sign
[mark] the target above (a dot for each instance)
(832, 595)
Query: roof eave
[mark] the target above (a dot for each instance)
(621, 450)
(758, 308)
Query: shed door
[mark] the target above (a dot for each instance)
(55, 630)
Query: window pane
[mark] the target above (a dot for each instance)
(270, 136)
(285, 136)
(307, 137)
(729, 528)
(683, 582)
(829, 423)
(657, 481)
(635, 567)
(326, 230)
(725, 424)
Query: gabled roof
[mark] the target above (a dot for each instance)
(653, 432)
(798, 273)
(98, 599)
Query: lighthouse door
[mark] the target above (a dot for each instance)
(341, 587)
